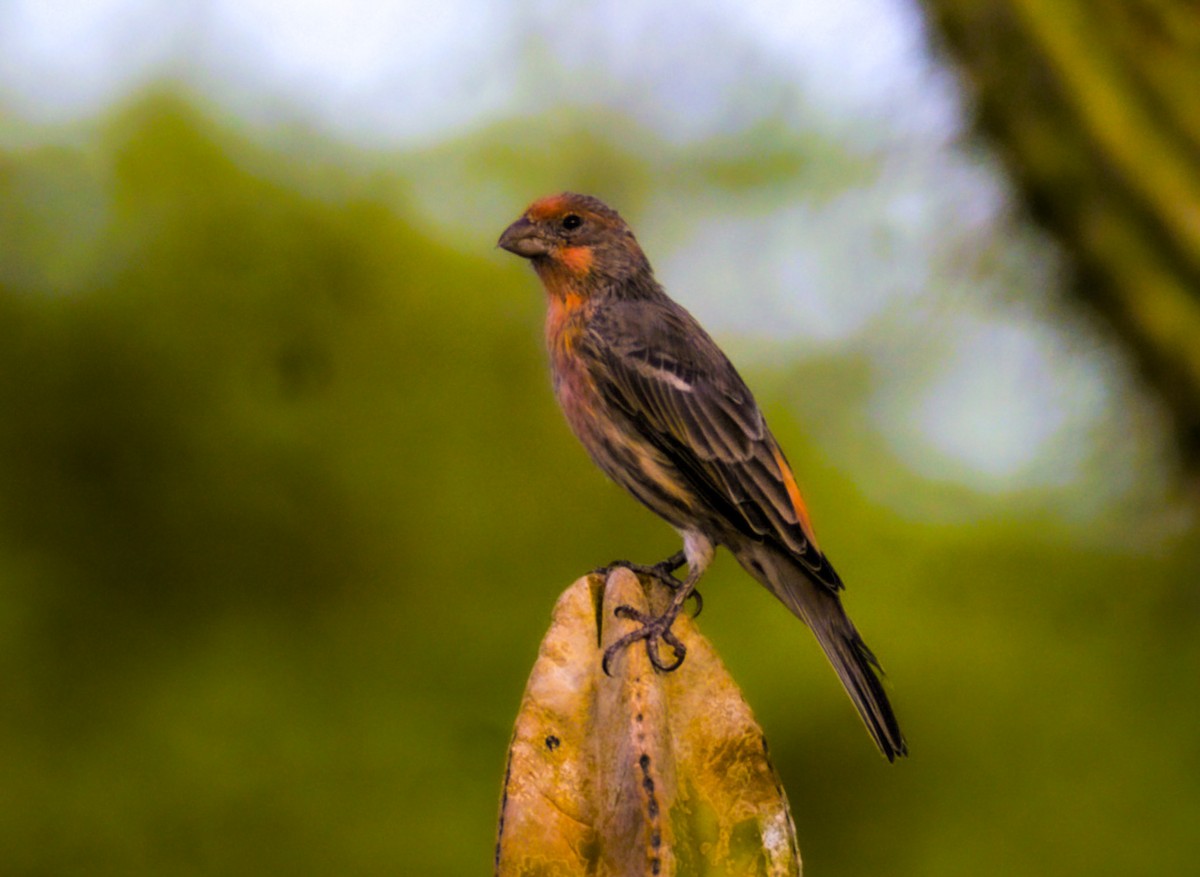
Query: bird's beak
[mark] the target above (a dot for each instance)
(523, 239)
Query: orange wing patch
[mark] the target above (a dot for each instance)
(789, 481)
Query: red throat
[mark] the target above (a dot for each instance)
(561, 326)
(577, 260)
(564, 270)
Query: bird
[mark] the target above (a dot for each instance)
(662, 411)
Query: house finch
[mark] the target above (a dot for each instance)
(662, 411)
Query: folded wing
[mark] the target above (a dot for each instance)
(656, 364)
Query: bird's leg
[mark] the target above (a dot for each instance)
(655, 627)
(660, 572)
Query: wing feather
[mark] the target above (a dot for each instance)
(657, 365)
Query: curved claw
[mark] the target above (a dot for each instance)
(652, 650)
(676, 646)
(611, 651)
(699, 603)
(622, 611)
(604, 662)
(627, 611)
(651, 631)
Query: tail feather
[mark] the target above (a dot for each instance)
(821, 609)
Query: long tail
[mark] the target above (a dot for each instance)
(821, 609)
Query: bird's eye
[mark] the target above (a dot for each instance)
(572, 221)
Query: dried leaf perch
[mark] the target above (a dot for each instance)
(641, 773)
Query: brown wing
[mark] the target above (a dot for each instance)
(655, 363)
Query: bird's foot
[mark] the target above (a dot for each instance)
(660, 572)
(653, 628)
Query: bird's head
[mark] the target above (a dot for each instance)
(576, 239)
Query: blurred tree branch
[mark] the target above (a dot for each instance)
(1095, 108)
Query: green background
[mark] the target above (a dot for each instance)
(285, 503)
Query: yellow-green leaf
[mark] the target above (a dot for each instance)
(642, 772)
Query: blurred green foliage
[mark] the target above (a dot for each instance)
(285, 504)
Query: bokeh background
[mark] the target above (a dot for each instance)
(285, 501)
